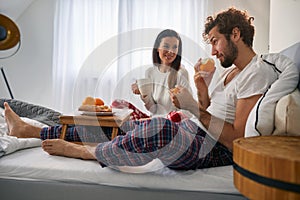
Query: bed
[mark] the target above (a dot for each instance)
(27, 172)
(30, 173)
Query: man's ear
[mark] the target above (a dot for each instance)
(236, 34)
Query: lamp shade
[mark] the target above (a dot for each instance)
(9, 33)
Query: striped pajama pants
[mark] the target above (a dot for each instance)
(181, 146)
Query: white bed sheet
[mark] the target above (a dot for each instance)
(35, 164)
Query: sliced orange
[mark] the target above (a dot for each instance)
(99, 102)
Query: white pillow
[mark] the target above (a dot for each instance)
(287, 115)
(261, 118)
(250, 130)
(293, 52)
(3, 127)
(34, 122)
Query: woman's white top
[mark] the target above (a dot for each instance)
(161, 89)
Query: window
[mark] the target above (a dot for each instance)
(102, 46)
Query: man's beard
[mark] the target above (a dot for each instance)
(230, 54)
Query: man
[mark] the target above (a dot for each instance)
(182, 145)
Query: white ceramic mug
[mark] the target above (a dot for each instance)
(145, 86)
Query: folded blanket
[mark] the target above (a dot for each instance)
(3, 126)
(154, 166)
(10, 144)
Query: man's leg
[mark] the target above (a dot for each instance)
(155, 138)
(17, 127)
(61, 147)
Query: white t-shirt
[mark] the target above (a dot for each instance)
(254, 79)
(160, 93)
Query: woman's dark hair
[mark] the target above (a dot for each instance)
(175, 66)
(226, 21)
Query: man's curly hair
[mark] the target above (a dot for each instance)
(226, 21)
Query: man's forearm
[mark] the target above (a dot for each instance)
(203, 98)
(219, 129)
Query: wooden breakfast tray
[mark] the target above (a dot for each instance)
(267, 167)
(114, 121)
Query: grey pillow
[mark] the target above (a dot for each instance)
(32, 111)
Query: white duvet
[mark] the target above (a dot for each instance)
(10, 144)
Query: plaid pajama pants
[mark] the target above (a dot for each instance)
(181, 145)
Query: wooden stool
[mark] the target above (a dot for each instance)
(267, 167)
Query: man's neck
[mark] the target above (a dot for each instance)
(244, 58)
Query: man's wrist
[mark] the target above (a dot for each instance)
(87, 153)
(204, 116)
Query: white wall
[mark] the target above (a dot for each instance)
(284, 24)
(259, 9)
(30, 73)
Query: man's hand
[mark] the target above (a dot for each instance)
(202, 79)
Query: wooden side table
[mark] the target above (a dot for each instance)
(106, 121)
(267, 167)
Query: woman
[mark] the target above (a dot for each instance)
(166, 73)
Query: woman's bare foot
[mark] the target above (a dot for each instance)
(61, 147)
(17, 127)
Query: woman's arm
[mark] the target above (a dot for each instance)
(150, 104)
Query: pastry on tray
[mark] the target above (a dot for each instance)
(91, 104)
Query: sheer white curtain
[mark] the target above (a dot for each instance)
(102, 46)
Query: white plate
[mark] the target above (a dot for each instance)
(97, 113)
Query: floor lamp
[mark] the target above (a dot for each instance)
(9, 38)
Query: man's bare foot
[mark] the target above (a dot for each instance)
(61, 147)
(17, 127)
